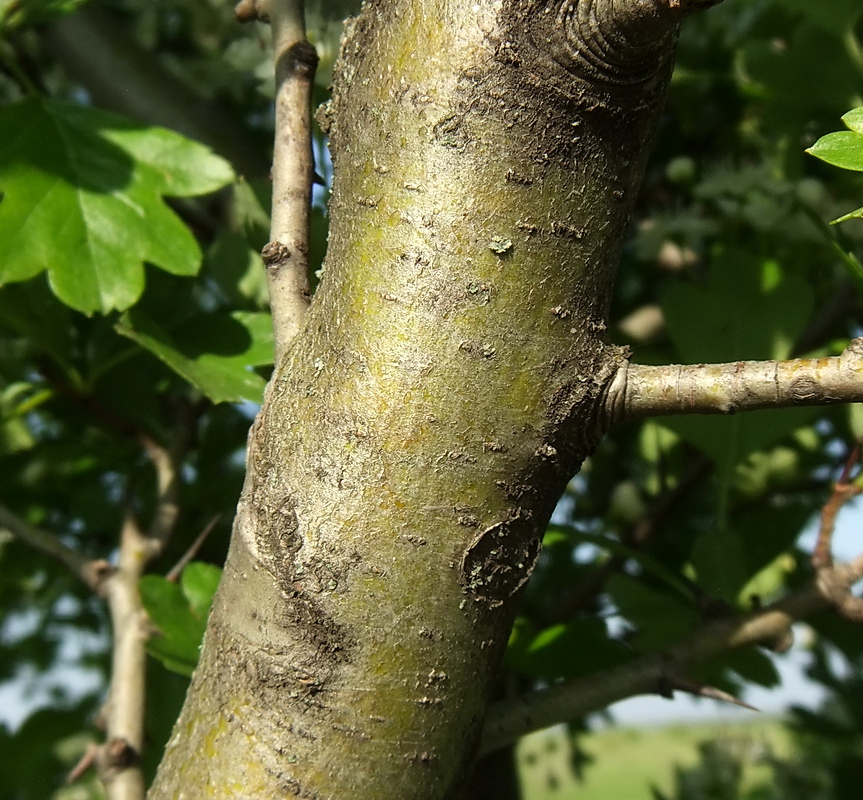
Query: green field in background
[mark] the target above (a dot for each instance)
(628, 761)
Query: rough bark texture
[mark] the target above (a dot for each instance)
(447, 383)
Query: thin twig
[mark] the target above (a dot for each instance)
(92, 572)
(286, 254)
(174, 573)
(838, 594)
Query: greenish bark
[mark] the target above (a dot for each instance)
(449, 380)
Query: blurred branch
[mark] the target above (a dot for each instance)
(835, 592)
(286, 254)
(92, 572)
(95, 47)
(507, 720)
(167, 490)
(119, 758)
(645, 391)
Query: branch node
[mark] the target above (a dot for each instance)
(115, 756)
(301, 60)
(252, 10)
(275, 255)
(87, 760)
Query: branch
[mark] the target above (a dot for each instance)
(91, 572)
(644, 391)
(286, 254)
(834, 591)
(507, 720)
(119, 758)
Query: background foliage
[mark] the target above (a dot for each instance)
(132, 303)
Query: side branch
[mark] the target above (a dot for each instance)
(508, 720)
(286, 254)
(644, 391)
(92, 572)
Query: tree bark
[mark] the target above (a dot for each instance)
(449, 379)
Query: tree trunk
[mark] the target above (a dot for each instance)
(450, 378)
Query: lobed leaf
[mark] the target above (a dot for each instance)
(214, 352)
(83, 199)
(179, 613)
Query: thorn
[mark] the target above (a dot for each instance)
(87, 760)
(701, 690)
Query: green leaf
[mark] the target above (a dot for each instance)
(16, 401)
(572, 650)
(854, 119)
(841, 149)
(237, 271)
(30, 310)
(648, 563)
(249, 210)
(199, 582)
(749, 310)
(82, 199)
(214, 352)
(660, 619)
(180, 629)
(754, 666)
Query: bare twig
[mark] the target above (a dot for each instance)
(509, 719)
(644, 391)
(286, 254)
(174, 573)
(92, 572)
(835, 592)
